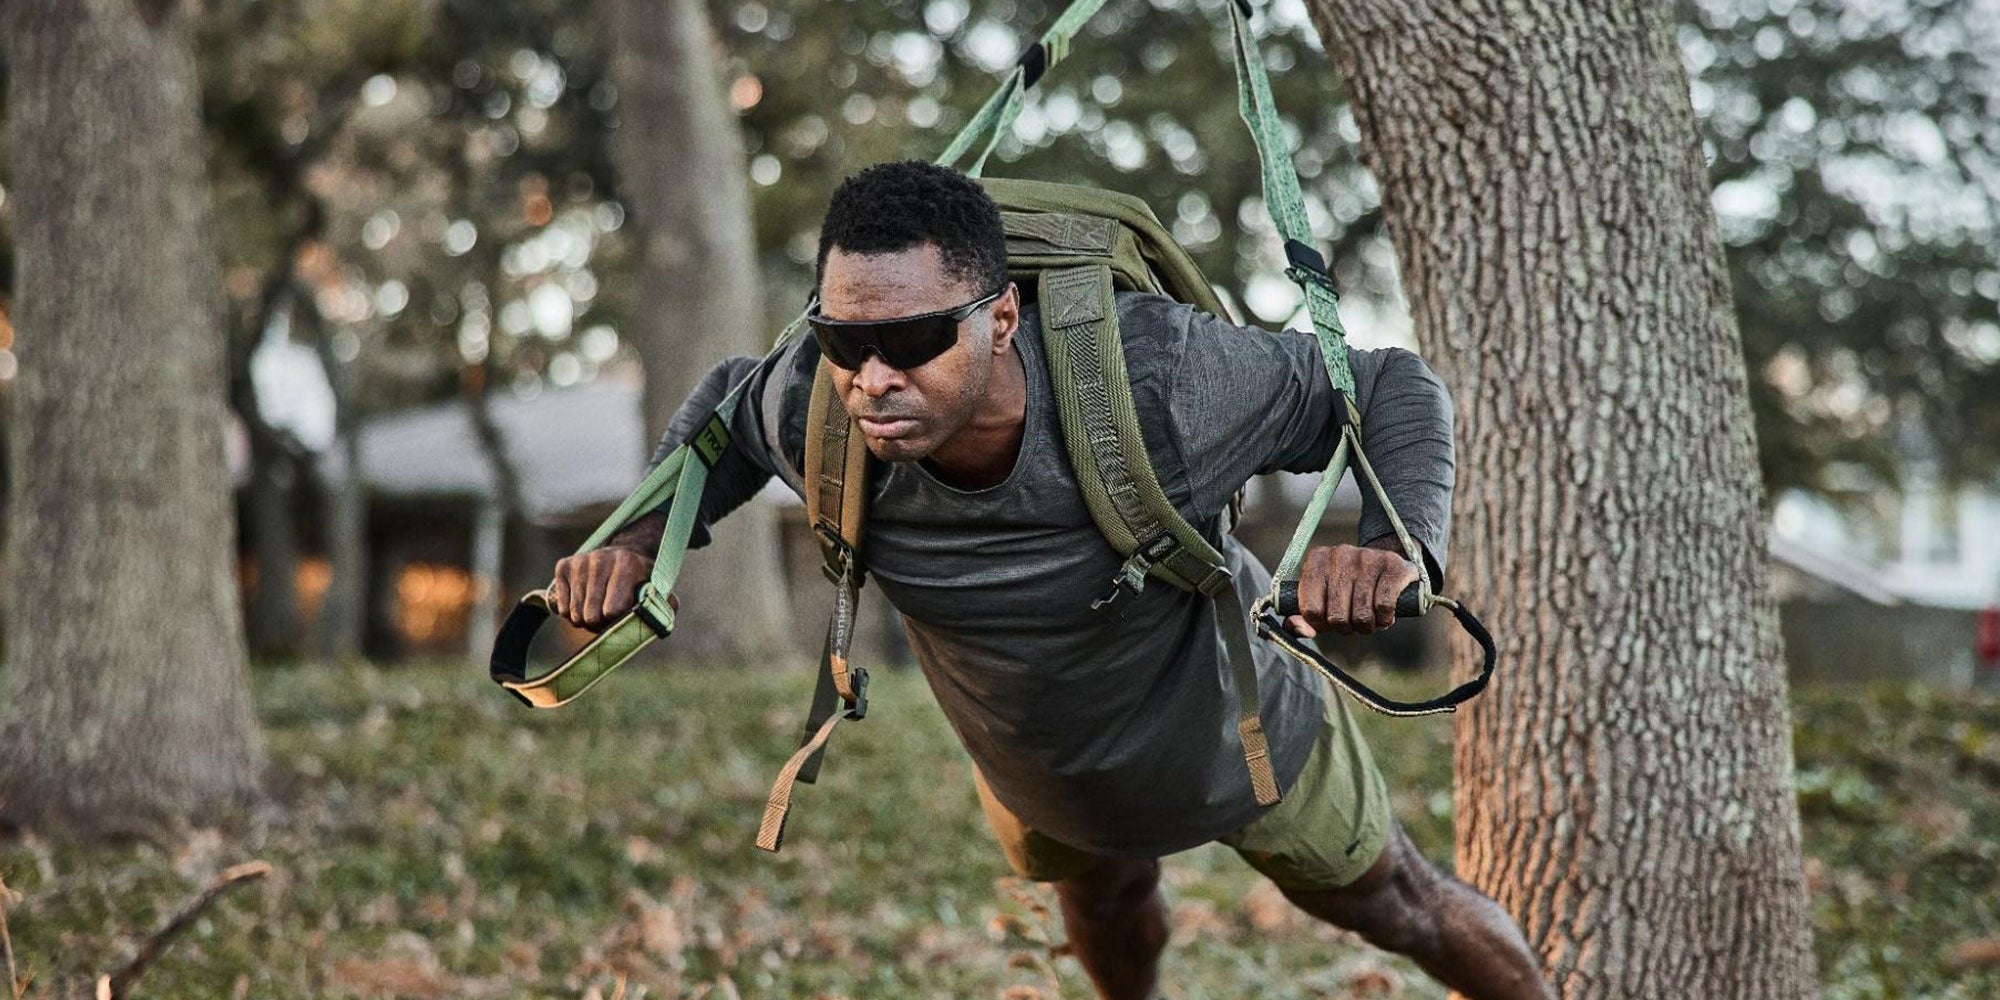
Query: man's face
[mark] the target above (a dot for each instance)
(905, 415)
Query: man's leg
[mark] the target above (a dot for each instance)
(1404, 904)
(1117, 924)
(1111, 907)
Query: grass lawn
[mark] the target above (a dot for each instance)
(434, 839)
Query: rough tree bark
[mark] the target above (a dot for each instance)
(1625, 789)
(680, 159)
(124, 706)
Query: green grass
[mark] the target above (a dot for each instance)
(434, 839)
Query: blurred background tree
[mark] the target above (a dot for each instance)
(125, 703)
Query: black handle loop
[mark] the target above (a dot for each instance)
(508, 666)
(1270, 617)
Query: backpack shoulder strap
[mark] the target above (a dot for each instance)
(836, 475)
(1101, 427)
(836, 489)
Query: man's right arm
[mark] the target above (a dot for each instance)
(596, 588)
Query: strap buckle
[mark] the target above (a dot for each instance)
(842, 564)
(1132, 575)
(858, 708)
(1307, 266)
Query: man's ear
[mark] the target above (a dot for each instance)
(1006, 318)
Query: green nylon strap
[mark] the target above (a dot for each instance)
(1100, 425)
(1282, 195)
(996, 117)
(1286, 203)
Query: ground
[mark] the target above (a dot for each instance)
(435, 839)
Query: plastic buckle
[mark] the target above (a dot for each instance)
(840, 564)
(859, 709)
(1132, 574)
(645, 613)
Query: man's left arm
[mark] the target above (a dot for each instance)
(1248, 402)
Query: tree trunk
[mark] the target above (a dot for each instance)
(680, 158)
(343, 497)
(270, 500)
(1625, 788)
(126, 705)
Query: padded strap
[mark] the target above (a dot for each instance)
(836, 463)
(1101, 427)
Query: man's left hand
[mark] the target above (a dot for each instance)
(1351, 589)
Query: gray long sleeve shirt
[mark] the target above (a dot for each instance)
(1113, 730)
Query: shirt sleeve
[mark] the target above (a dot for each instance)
(1246, 402)
(757, 432)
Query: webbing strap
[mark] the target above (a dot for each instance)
(996, 117)
(836, 508)
(1285, 201)
(1100, 424)
(771, 830)
(1235, 625)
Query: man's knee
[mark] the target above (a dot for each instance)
(1394, 904)
(1111, 888)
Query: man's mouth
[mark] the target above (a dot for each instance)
(886, 428)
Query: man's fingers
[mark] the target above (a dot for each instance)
(1340, 589)
(591, 605)
(1312, 585)
(1387, 588)
(1361, 606)
(628, 573)
(559, 588)
(1300, 627)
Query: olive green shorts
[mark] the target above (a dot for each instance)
(1330, 827)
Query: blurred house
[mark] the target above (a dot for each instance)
(1889, 584)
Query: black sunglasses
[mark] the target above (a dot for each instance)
(904, 343)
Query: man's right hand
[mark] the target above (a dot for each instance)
(599, 587)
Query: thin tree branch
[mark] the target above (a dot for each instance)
(118, 985)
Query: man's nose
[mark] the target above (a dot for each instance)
(876, 377)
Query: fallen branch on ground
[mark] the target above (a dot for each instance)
(118, 985)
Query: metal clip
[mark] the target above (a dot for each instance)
(1132, 575)
(840, 563)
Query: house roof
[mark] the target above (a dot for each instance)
(1833, 570)
(575, 448)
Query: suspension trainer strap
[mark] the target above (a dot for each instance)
(996, 117)
(1308, 269)
(683, 475)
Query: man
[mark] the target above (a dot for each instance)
(1103, 739)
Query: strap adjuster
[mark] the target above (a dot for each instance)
(841, 562)
(1307, 266)
(858, 680)
(1132, 575)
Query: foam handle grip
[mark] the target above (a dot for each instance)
(1408, 604)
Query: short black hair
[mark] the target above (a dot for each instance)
(891, 207)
